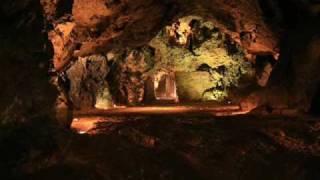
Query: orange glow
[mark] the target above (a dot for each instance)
(153, 110)
(85, 122)
(83, 126)
(87, 125)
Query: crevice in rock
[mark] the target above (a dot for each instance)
(64, 7)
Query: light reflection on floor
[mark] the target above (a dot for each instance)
(84, 122)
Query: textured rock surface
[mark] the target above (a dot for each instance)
(189, 86)
(88, 81)
(124, 23)
(102, 25)
(132, 69)
(207, 64)
(204, 148)
(60, 37)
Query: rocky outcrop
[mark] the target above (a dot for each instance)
(88, 84)
(132, 73)
(61, 38)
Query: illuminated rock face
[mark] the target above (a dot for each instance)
(206, 64)
(102, 25)
(94, 27)
(99, 26)
(192, 86)
(88, 85)
(166, 57)
(165, 88)
(59, 37)
(129, 73)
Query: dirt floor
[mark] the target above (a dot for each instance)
(168, 147)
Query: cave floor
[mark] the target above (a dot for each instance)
(161, 109)
(177, 147)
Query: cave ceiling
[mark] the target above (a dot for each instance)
(97, 26)
(80, 28)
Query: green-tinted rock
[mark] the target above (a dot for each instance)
(197, 86)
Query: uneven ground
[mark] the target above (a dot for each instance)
(167, 147)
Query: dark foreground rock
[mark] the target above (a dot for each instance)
(172, 148)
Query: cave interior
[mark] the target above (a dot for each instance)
(179, 65)
(147, 89)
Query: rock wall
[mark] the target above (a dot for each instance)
(25, 91)
(88, 83)
(130, 75)
(298, 65)
(101, 25)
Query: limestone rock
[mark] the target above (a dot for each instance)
(87, 81)
(102, 25)
(60, 37)
(132, 76)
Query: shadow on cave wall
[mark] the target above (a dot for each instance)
(299, 60)
(24, 52)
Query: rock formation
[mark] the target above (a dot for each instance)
(105, 25)
(80, 28)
